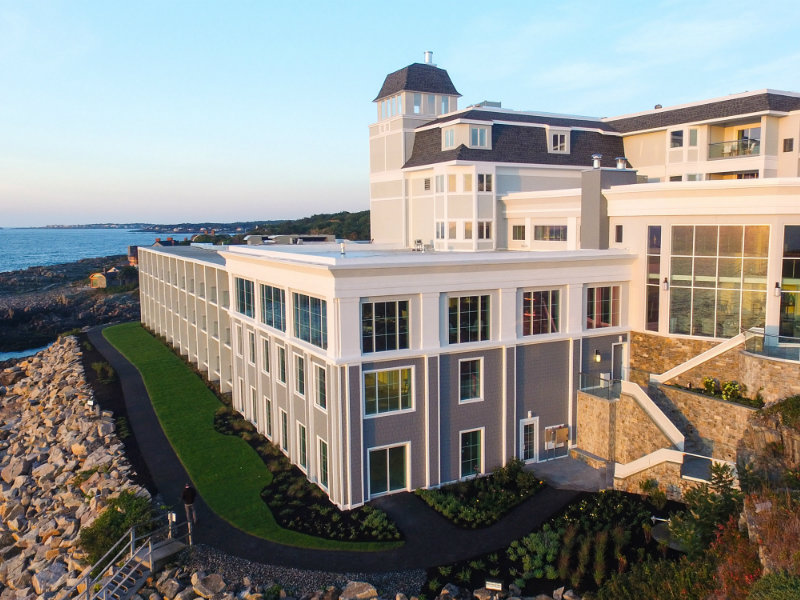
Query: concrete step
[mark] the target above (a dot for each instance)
(697, 468)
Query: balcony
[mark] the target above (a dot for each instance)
(600, 386)
(734, 149)
(772, 346)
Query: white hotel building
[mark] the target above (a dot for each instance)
(507, 264)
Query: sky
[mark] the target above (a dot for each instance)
(187, 111)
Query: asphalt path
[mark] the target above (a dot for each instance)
(430, 539)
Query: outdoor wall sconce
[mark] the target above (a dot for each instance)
(665, 284)
(597, 357)
(778, 289)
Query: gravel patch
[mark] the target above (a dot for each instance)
(299, 581)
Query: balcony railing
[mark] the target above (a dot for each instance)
(772, 346)
(599, 386)
(734, 148)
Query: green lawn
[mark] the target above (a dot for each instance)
(226, 471)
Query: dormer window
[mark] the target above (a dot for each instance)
(479, 137)
(558, 141)
(449, 138)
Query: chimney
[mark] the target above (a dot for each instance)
(429, 58)
(622, 162)
(657, 106)
(158, 239)
(596, 158)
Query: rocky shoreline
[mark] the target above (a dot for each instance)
(38, 303)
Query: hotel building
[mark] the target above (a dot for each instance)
(514, 257)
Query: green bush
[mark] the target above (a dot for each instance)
(776, 586)
(789, 411)
(670, 580)
(122, 513)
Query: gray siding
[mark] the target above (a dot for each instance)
(434, 432)
(356, 467)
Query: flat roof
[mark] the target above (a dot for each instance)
(206, 255)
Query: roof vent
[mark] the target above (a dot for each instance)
(621, 162)
(429, 58)
(657, 106)
(596, 158)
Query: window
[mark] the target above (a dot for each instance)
(426, 184)
(387, 470)
(451, 230)
(445, 105)
(323, 464)
(273, 307)
(252, 339)
(471, 453)
(618, 234)
(449, 138)
(239, 341)
(439, 230)
(451, 183)
(311, 320)
(265, 358)
(300, 375)
(694, 177)
(789, 326)
(244, 297)
(281, 364)
(484, 230)
(558, 142)
(484, 182)
(718, 279)
(469, 378)
(268, 412)
(417, 104)
(540, 312)
(602, 307)
(284, 431)
(384, 326)
(676, 139)
(747, 175)
(693, 137)
(676, 177)
(467, 230)
(550, 233)
(478, 137)
(253, 406)
(518, 233)
(468, 183)
(468, 319)
(788, 144)
(653, 277)
(440, 183)
(387, 391)
(302, 456)
(322, 388)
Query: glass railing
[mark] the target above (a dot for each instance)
(597, 385)
(772, 346)
(734, 148)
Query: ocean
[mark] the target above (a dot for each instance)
(23, 248)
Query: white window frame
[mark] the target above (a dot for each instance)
(283, 417)
(407, 445)
(320, 463)
(482, 470)
(281, 366)
(254, 405)
(522, 424)
(399, 411)
(514, 229)
(439, 184)
(480, 396)
(300, 449)
(671, 140)
(265, 363)
(485, 230)
(317, 369)
(448, 138)
(440, 230)
(485, 182)
(558, 141)
(252, 355)
(298, 358)
(480, 136)
(268, 418)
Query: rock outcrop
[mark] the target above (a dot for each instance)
(60, 464)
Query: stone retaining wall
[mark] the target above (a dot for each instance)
(668, 476)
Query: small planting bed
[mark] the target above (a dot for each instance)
(482, 501)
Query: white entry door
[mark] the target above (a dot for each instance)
(529, 439)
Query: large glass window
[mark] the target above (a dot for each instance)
(653, 277)
(384, 326)
(311, 320)
(550, 233)
(790, 284)
(718, 279)
(469, 377)
(387, 391)
(244, 297)
(540, 312)
(468, 319)
(387, 470)
(471, 452)
(273, 307)
(602, 307)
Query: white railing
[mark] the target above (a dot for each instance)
(621, 471)
(656, 415)
(698, 360)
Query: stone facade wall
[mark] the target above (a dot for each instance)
(716, 425)
(668, 476)
(635, 433)
(774, 379)
(594, 431)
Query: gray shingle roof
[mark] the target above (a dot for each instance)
(417, 77)
(552, 120)
(712, 110)
(512, 144)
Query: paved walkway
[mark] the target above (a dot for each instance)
(430, 538)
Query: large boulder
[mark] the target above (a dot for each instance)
(358, 590)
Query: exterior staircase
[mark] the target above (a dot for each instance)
(123, 570)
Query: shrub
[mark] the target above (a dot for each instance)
(788, 410)
(776, 586)
(674, 580)
(656, 495)
(122, 513)
(737, 561)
